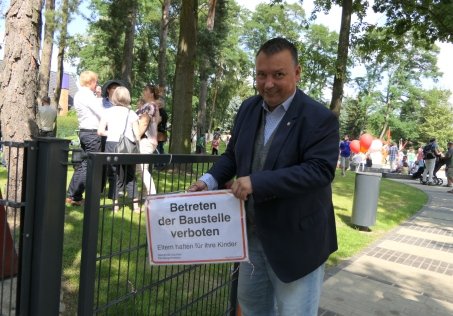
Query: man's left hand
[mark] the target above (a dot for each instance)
(242, 187)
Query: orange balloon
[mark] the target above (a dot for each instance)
(365, 141)
(363, 149)
(355, 146)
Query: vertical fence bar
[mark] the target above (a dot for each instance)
(90, 234)
(26, 223)
(48, 226)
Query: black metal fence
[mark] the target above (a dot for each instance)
(11, 206)
(115, 276)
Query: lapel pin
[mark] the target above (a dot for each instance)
(288, 124)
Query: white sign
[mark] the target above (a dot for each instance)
(196, 227)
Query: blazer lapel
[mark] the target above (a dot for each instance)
(246, 141)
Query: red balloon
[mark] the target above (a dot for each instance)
(365, 141)
(355, 146)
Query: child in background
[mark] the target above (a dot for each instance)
(215, 144)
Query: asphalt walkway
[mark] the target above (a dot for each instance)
(408, 272)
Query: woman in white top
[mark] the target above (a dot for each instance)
(116, 120)
(148, 141)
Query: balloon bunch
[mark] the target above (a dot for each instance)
(364, 143)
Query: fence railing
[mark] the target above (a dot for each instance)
(115, 276)
(11, 211)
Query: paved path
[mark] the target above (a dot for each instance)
(408, 272)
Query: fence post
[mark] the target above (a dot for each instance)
(48, 228)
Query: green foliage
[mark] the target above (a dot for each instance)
(67, 126)
(436, 119)
(429, 20)
(389, 93)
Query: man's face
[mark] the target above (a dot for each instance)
(111, 89)
(276, 77)
(93, 85)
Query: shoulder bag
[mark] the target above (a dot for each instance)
(125, 145)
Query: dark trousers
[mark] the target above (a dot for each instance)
(90, 142)
(121, 178)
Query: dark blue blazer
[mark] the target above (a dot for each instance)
(294, 213)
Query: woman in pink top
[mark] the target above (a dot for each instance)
(148, 141)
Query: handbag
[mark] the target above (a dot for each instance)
(125, 145)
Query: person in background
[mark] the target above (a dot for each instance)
(449, 166)
(368, 161)
(411, 158)
(201, 140)
(281, 160)
(345, 155)
(162, 134)
(430, 153)
(89, 111)
(215, 144)
(98, 91)
(149, 119)
(47, 116)
(393, 156)
(107, 91)
(118, 119)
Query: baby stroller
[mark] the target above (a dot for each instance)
(437, 181)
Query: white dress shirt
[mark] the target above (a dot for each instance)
(89, 108)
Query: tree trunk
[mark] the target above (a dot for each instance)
(18, 82)
(184, 76)
(211, 15)
(201, 123)
(46, 53)
(342, 57)
(128, 52)
(20, 70)
(61, 48)
(163, 35)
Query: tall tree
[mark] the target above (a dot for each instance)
(128, 50)
(349, 7)
(184, 77)
(64, 19)
(428, 19)
(18, 81)
(390, 90)
(436, 118)
(21, 64)
(163, 38)
(342, 57)
(46, 52)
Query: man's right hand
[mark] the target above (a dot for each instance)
(197, 186)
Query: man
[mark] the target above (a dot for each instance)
(430, 153)
(47, 115)
(449, 166)
(107, 91)
(89, 111)
(345, 154)
(393, 155)
(283, 152)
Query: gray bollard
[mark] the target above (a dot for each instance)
(366, 195)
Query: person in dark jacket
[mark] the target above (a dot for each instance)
(282, 154)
